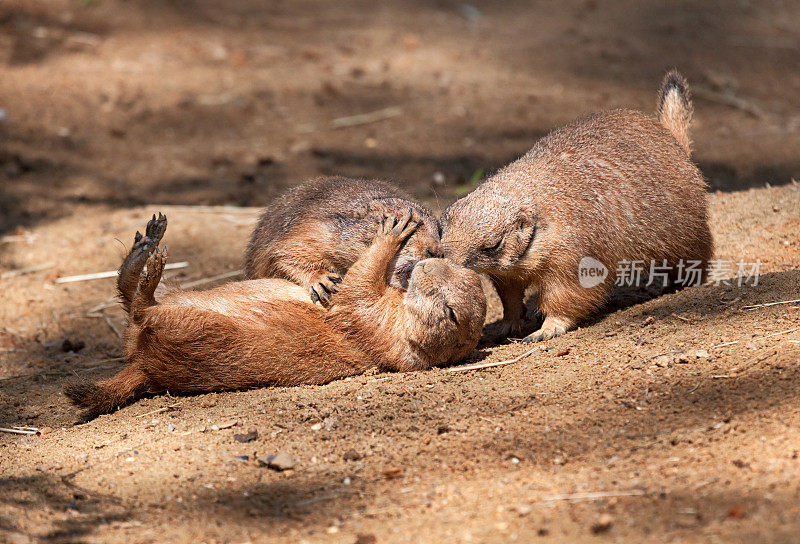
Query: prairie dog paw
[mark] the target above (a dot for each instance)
(323, 287)
(399, 229)
(156, 228)
(155, 268)
(551, 328)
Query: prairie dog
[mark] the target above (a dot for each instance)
(268, 332)
(614, 186)
(316, 231)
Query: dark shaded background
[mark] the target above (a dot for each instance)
(113, 103)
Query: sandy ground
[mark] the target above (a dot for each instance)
(675, 419)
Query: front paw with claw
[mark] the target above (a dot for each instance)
(396, 229)
(324, 286)
(551, 328)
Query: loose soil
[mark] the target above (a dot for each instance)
(672, 419)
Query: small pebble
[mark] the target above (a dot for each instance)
(603, 524)
(351, 455)
(524, 509)
(246, 437)
(278, 461)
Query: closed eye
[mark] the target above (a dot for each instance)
(451, 314)
(494, 248)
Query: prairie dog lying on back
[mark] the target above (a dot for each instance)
(614, 186)
(316, 231)
(267, 332)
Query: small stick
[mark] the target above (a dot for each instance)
(18, 430)
(728, 100)
(575, 497)
(777, 333)
(61, 373)
(725, 344)
(23, 271)
(673, 352)
(238, 222)
(11, 238)
(159, 410)
(206, 209)
(365, 118)
(112, 326)
(795, 341)
(680, 317)
(769, 304)
(111, 273)
(478, 366)
(103, 305)
(211, 279)
(722, 376)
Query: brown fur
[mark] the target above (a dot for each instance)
(617, 185)
(315, 232)
(267, 332)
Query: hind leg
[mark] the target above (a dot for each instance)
(133, 264)
(148, 281)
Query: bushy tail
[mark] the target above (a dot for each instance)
(675, 108)
(106, 396)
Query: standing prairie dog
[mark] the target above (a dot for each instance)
(267, 332)
(614, 186)
(316, 231)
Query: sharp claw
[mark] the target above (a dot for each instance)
(314, 295)
(335, 279)
(325, 296)
(137, 237)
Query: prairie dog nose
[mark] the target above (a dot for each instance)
(436, 250)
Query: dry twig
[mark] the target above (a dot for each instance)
(478, 366)
(593, 496)
(206, 209)
(754, 306)
(211, 279)
(111, 273)
(728, 99)
(23, 271)
(112, 326)
(364, 118)
(19, 430)
(159, 410)
(725, 344)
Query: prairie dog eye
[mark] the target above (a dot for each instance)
(451, 314)
(493, 248)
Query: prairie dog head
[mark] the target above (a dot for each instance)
(488, 231)
(446, 309)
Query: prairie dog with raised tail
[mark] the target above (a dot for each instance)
(614, 186)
